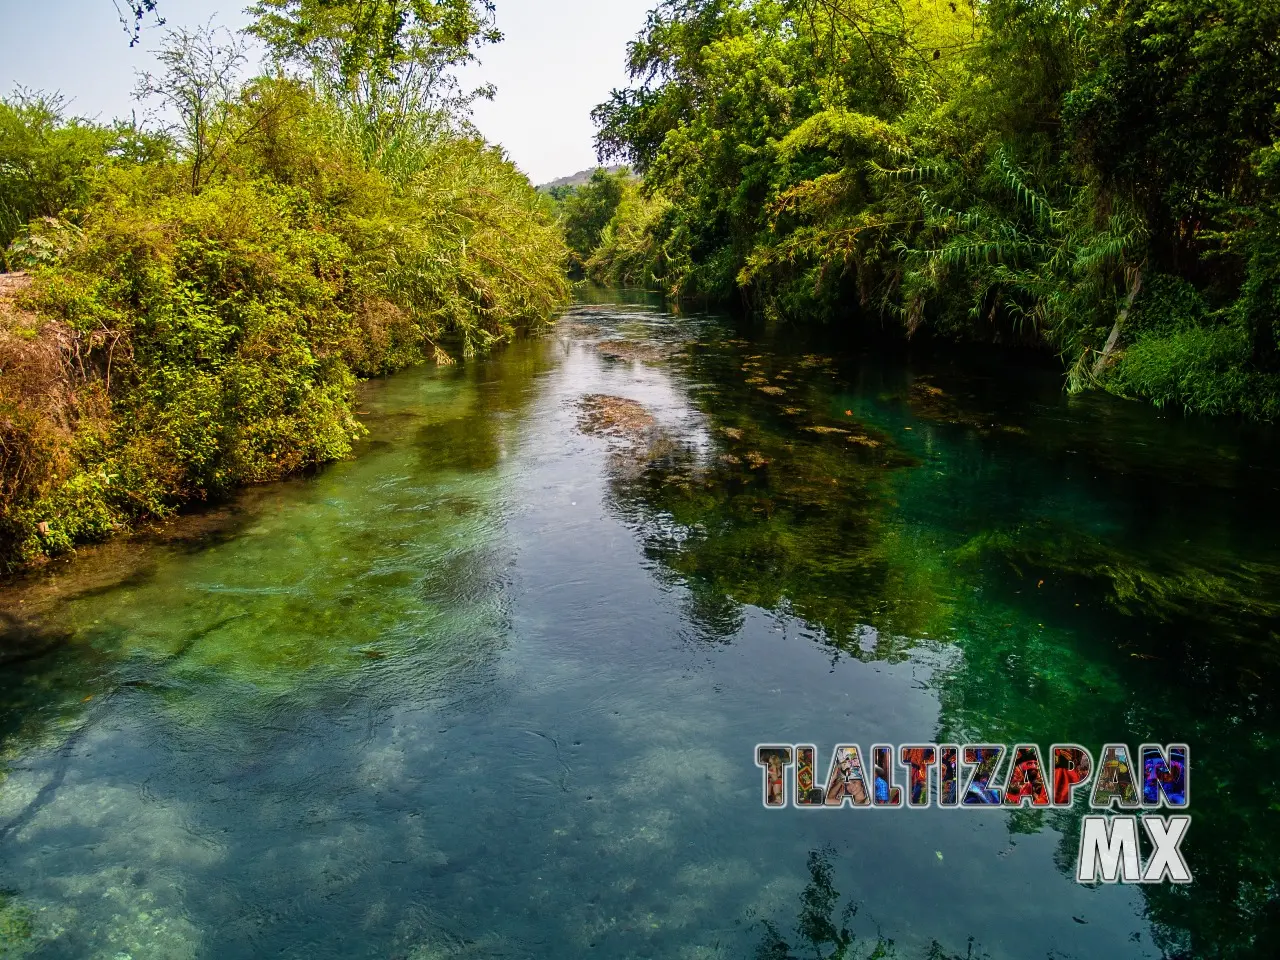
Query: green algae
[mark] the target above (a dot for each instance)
(308, 589)
(1205, 583)
(17, 927)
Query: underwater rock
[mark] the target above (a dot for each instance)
(637, 439)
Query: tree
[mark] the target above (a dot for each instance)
(133, 13)
(381, 58)
(588, 209)
(48, 163)
(199, 82)
(1093, 176)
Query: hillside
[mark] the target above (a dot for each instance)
(577, 179)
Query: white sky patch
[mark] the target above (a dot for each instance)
(559, 59)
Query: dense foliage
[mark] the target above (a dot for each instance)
(198, 303)
(1099, 177)
(585, 210)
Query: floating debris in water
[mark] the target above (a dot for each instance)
(632, 350)
(825, 430)
(933, 403)
(772, 391)
(812, 360)
(579, 329)
(602, 413)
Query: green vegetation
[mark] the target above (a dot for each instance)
(15, 926)
(198, 302)
(1099, 178)
(586, 209)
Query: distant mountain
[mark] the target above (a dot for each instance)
(577, 179)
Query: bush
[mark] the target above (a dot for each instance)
(196, 341)
(587, 210)
(631, 250)
(1202, 369)
(48, 163)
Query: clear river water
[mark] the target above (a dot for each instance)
(491, 687)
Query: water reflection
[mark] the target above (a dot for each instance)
(824, 930)
(1099, 591)
(491, 688)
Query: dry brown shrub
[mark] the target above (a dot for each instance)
(43, 396)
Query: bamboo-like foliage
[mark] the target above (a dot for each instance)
(1058, 272)
(1096, 179)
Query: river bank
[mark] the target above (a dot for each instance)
(179, 343)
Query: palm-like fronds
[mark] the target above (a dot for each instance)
(1054, 270)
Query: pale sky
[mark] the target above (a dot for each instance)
(559, 59)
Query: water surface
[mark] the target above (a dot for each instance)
(491, 688)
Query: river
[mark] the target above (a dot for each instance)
(491, 687)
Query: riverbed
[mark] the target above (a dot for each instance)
(491, 688)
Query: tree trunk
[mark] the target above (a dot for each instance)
(1135, 284)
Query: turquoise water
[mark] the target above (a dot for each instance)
(491, 688)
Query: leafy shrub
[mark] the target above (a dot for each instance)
(201, 340)
(48, 163)
(1203, 369)
(1007, 171)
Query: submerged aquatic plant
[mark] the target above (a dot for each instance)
(17, 927)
